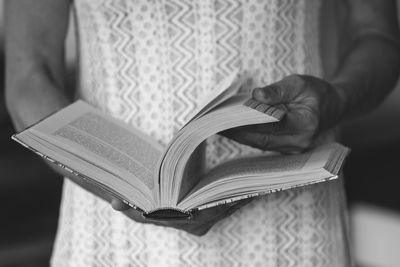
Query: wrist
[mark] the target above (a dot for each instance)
(332, 106)
(331, 102)
(341, 88)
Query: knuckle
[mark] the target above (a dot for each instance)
(307, 119)
(310, 128)
(302, 146)
(296, 81)
(293, 77)
(304, 141)
(296, 78)
(301, 141)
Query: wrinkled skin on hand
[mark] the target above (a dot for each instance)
(312, 105)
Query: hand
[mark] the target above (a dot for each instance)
(198, 225)
(312, 106)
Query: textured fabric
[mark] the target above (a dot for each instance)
(148, 63)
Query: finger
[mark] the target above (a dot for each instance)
(280, 92)
(204, 220)
(240, 134)
(119, 205)
(250, 138)
(267, 128)
(272, 94)
(229, 209)
(287, 143)
(209, 217)
(240, 203)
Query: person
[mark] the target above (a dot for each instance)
(148, 62)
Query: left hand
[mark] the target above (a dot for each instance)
(199, 225)
(312, 106)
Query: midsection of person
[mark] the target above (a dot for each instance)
(148, 63)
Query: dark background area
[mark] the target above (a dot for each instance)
(29, 199)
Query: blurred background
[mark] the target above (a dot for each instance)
(30, 192)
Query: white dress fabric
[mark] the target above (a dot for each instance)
(148, 62)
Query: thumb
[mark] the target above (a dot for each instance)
(119, 205)
(272, 94)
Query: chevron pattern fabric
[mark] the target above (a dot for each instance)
(148, 62)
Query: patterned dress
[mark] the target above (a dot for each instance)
(147, 62)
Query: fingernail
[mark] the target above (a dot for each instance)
(258, 94)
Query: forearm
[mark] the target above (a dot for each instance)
(32, 96)
(369, 56)
(367, 73)
(35, 33)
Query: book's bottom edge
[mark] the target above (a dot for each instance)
(253, 195)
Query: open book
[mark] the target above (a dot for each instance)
(167, 181)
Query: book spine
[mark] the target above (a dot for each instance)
(165, 214)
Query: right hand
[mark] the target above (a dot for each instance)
(312, 107)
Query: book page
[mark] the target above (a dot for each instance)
(224, 90)
(263, 173)
(266, 165)
(89, 130)
(194, 171)
(256, 165)
(232, 113)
